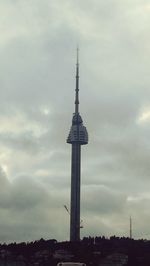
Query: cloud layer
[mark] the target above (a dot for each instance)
(37, 80)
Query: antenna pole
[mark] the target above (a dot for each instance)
(130, 227)
(77, 84)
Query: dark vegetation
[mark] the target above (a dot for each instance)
(90, 250)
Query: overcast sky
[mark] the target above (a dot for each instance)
(38, 42)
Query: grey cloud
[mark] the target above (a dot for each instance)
(30, 209)
(3, 179)
(102, 200)
(37, 70)
(26, 193)
(22, 194)
(25, 142)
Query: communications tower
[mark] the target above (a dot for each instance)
(77, 136)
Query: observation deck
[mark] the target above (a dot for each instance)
(78, 132)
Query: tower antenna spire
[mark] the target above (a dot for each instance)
(77, 84)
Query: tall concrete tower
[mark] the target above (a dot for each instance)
(77, 136)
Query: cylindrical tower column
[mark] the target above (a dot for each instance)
(75, 193)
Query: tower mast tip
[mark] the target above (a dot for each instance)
(77, 84)
(77, 54)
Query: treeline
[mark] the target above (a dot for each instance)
(90, 250)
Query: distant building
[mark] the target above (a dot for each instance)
(62, 254)
(115, 259)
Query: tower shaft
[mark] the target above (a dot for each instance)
(75, 193)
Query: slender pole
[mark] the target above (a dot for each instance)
(77, 85)
(130, 227)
